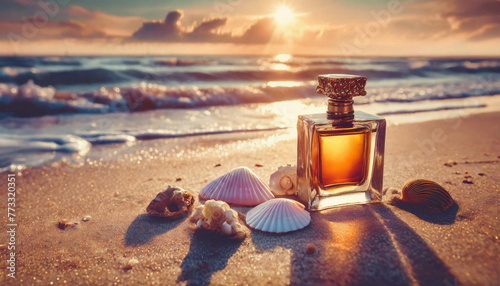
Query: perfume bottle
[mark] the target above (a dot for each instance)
(340, 156)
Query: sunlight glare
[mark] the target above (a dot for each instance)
(283, 58)
(284, 15)
(284, 83)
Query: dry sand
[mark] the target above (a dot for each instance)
(375, 244)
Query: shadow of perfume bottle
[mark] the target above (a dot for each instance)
(358, 245)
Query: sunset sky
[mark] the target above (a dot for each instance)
(315, 27)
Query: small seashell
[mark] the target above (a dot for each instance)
(241, 186)
(64, 224)
(217, 216)
(171, 203)
(86, 218)
(199, 223)
(131, 263)
(284, 181)
(278, 216)
(226, 228)
(428, 194)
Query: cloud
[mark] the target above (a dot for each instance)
(478, 19)
(209, 31)
(260, 32)
(451, 19)
(110, 25)
(29, 30)
(170, 28)
(73, 22)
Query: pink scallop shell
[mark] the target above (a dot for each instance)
(241, 186)
(278, 216)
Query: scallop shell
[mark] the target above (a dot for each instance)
(284, 181)
(278, 215)
(241, 186)
(427, 194)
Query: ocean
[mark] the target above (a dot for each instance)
(52, 107)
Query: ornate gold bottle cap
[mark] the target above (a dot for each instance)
(341, 86)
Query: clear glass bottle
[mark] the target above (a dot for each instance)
(340, 156)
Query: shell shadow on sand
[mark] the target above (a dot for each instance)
(145, 227)
(358, 245)
(208, 253)
(447, 217)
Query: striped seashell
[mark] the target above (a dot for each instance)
(427, 194)
(241, 186)
(278, 216)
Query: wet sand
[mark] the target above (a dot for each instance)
(375, 244)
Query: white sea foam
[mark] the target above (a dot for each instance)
(32, 150)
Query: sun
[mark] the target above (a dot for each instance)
(284, 15)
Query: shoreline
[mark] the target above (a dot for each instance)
(116, 145)
(376, 243)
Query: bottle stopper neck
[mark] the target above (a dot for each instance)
(340, 109)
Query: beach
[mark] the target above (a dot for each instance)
(111, 111)
(375, 244)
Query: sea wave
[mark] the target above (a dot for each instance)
(32, 150)
(112, 76)
(31, 100)
(63, 77)
(85, 74)
(105, 76)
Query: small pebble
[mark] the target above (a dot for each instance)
(481, 174)
(218, 165)
(64, 224)
(131, 263)
(466, 172)
(259, 165)
(457, 172)
(51, 204)
(468, 177)
(467, 181)
(86, 218)
(450, 163)
(310, 248)
(178, 179)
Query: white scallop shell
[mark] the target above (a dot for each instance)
(278, 215)
(241, 186)
(284, 181)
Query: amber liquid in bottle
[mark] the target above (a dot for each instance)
(342, 156)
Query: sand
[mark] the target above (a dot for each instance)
(376, 244)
